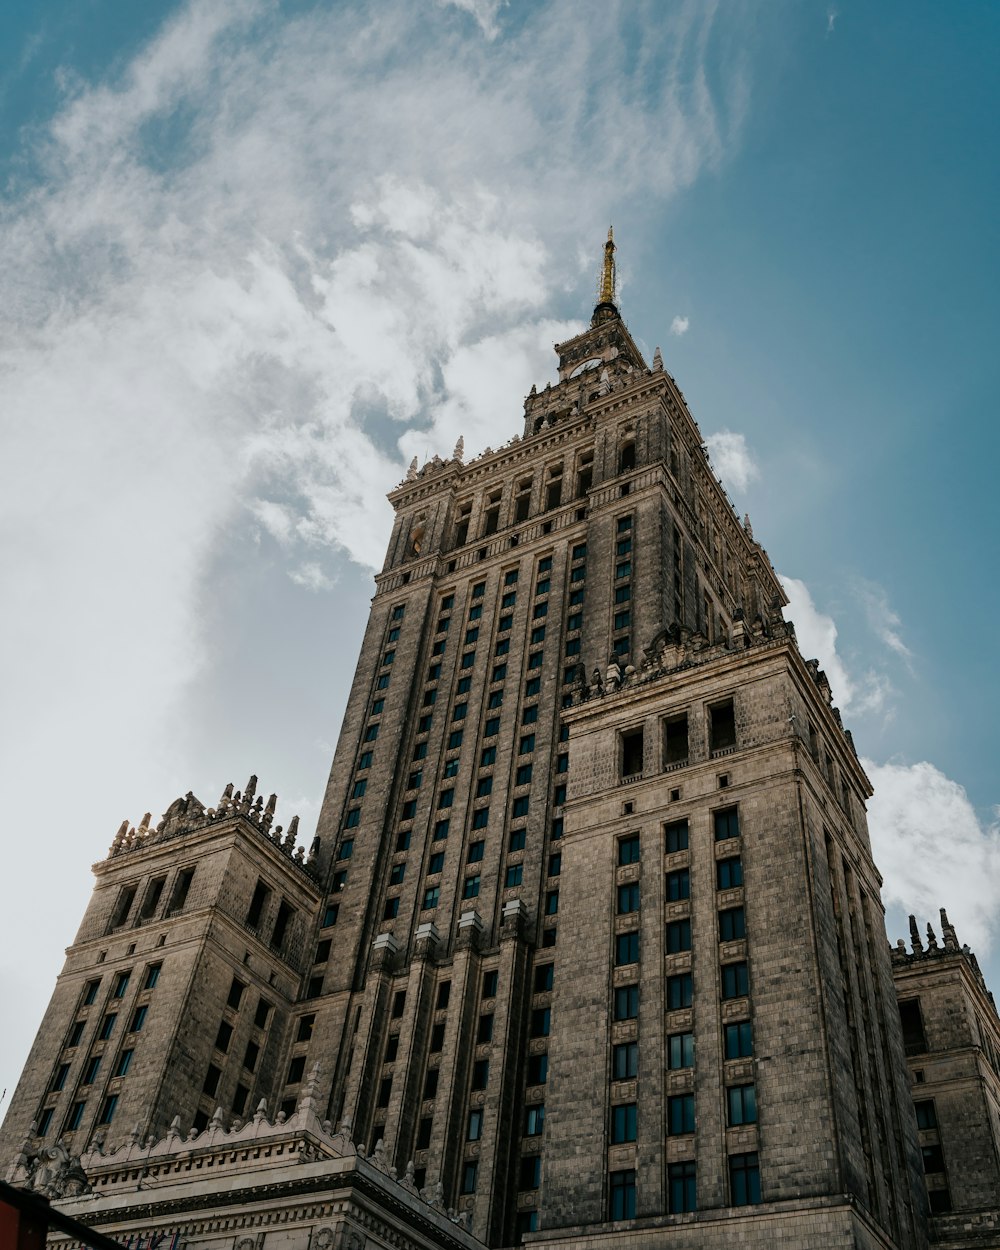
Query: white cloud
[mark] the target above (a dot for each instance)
(218, 301)
(732, 459)
(484, 11)
(679, 326)
(831, 18)
(312, 577)
(816, 635)
(933, 851)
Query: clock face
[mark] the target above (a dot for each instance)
(592, 363)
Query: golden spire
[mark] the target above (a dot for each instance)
(607, 292)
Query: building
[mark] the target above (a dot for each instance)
(588, 943)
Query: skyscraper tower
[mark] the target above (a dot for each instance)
(591, 931)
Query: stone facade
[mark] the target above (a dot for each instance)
(588, 946)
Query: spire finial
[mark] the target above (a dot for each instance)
(607, 292)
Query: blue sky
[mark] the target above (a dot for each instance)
(258, 255)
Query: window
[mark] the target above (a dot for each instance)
(576, 597)
(622, 621)
(357, 790)
(455, 739)
(492, 727)
(623, 594)
(517, 840)
(551, 902)
(681, 1186)
(627, 948)
(484, 786)
(91, 1070)
(631, 748)
(446, 798)
(680, 1051)
(933, 1157)
(741, 1101)
(480, 1074)
(305, 1030)
(138, 1019)
(680, 991)
(513, 876)
(90, 992)
(538, 1069)
(499, 672)
(377, 707)
(622, 1192)
(430, 899)
(532, 686)
(526, 745)
(624, 569)
(519, 806)
(481, 818)
(729, 873)
(544, 978)
(425, 722)
(676, 836)
(925, 1114)
(45, 1121)
(471, 887)
(744, 1180)
(75, 1116)
(628, 849)
(678, 936)
(60, 1078)
(626, 1002)
(528, 716)
(578, 574)
(490, 983)
(680, 1114)
(732, 924)
(436, 1042)
(371, 733)
(107, 1026)
(574, 621)
(476, 852)
(365, 759)
(441, 830)
(353, 818)
(470, 1175)
(623, 1122)
(628, 898)
(735, 980)
(474, 1129)
(625, 1061)
(727, 823)
(122, 907)
(388, 657)
(459, 711)
(675, 740)
(124, 1063)
(151, 899)
(721, 726)
(121, 985)
(914, 1042)
(530, 1175)
(447, 603)
(396, 874)
(523, 775)
(534, 1120)
(431, 1083)
(346, 849)
(555, 865)
(541, 1022)
(540, 610)
(435, 863)
(739, 1040)
(330, 914)
(468, 660)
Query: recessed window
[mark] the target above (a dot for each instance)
(621, 1189)
(744, 1180)
(739, 1040)
(628, 849)
(627, 948)
(680, 1114)
(680, 1051)
(735, 980)
(732, 924)
(675, 740)
(729, 873)
(678, 885)
(513, 876)
(626, 1003)
(431, 896)
(440, 830)
(682, 1189)
(741, 1102)
(480, 1074)
(678, 936)
(727, 823)
(484, 1031)
(534, 1120)
(631, 752)
(625, 1061)
(436, 863)
(628, 897)
(721, 726)
(623, 1122)
(680, 991)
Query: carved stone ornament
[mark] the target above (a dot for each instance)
(245, 1243)
(55, 1173)
(322, 1238)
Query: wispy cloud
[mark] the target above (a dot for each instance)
(732, 459)
(816, 634)
(485, 13)
(933, 850)
(883, 621)
(831, 19)
(680, 326)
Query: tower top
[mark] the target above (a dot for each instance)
(606, 307)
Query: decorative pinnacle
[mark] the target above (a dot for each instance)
(607, 289)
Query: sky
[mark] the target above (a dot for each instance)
(257, 254)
